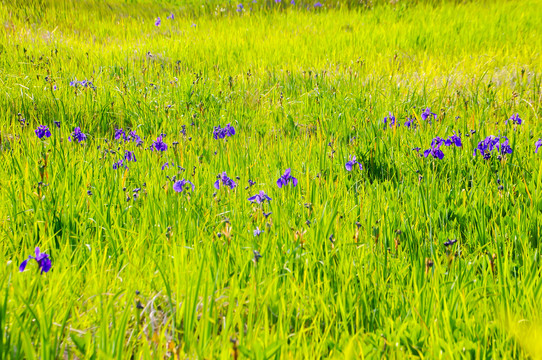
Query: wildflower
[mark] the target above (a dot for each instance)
(537, 145)
(257, 256)
(221, 133)
(427, 114)
(57, 124)
(166, 165)
(89, 192)
(257, 232)
(158, 21)
(120, 134)
(454, 139)
(171, 16)
(239, 7)
(435, 148)
(515, 119)
(410, 122)
(42, 131)
(317, 4)
(251, 183)
(226, 181)
(129, 156)
(391, 119)
(119, 164)
(159, 144)
(450, 242)
(43, 260)
(486, 146)
(285, 179)
(505, 147)
(132, 136)
(180, 185)
(78, 135)
(351, 163)
(259, 198)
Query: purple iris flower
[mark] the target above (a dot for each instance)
(57, 123)
(453, 140)
(351, 163)
(119, 164)
(286, 178)
(78, 135)
(515, 119)
(180, 185)
(219, 133)
(427, 114)
(537, 145)
(43, 260)
(257, 232)
(391, 119)
(505, 147)
(240, 7)
(317, 5)
(158, 21)
(129, 156)
(120, 134)
(226, 181)
(159, 144)
(171, 16)
(42, 131)
(132, 136)
(435, 148)
(259, 198)
(486, 146)
(450, 242)
(292, 2)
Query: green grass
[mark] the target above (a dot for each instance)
(304, 89)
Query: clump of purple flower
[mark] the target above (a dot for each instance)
(225, 180)
(490, 143)
(391, 119)
(221, 133)
(42, 131)
(77, 135)
(428, 114)
(515, 119)
(82, 83)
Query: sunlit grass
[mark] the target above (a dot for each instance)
(353, 263)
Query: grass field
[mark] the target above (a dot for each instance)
(412, 256)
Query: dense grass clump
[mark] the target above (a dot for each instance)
(357, 179)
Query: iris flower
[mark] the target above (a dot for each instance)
(286, 178)
(180, 185)
(159, 144)
(226, 181)
(537, 145)
(427, 114)
(42, 259)
(78, 135)
(351, 163)
(259, 198)
(42, 131)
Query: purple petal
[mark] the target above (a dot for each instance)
(294, 180)
(23, 265)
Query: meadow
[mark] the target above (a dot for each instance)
(187, 171)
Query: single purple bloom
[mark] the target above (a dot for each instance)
(165, 165)
(537, 145)
(318, 5)
(410, 122)
(417, 149)
(504, 147)
(257, 232)
(42, 131)
(119, 164)
(42, 259)
(259, 198)
(292, 2)
(286, 178)
(171, 16)
(179, 185)
(351, 163)
(159, 144)
(226, 181)
(57, 124)
(240, 7)
(515, 119)
(77, 135)
(158, 22)
(427, 114)
(132, 136)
